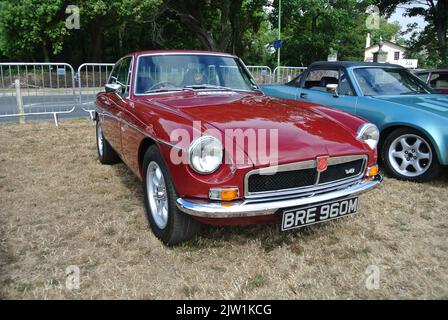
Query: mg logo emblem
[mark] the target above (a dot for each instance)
(322, 163)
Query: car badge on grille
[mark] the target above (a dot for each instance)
(322, 163)
(350, 171)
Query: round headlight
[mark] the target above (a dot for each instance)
(205, 154)
(370, 134)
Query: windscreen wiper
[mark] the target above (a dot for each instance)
(409, 93)
(207, 86)
(167, 89)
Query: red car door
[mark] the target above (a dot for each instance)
(117, 103)
(131, 126)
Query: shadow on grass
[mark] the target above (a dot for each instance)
(440, 181)
(268, 235)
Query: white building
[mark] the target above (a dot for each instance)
(394, 51)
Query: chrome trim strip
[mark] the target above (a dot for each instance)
(303, 194)
(309, 164)
(303, 191)
(244, 208)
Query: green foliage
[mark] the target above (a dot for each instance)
(387, 31)
(311, 28)
(35, 29)
(29, 25)
(430, 44)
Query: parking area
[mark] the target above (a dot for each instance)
(59, 207)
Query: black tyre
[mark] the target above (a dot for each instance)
(407, 154)
(167, 222)
(106, 154)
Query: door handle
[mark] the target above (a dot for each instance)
(304, 95)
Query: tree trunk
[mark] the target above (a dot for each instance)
(97, 38)
(45, 51)
(191, 14)
(202, 34)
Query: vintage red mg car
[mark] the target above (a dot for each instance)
(211, 148)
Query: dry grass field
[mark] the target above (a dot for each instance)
(59, 207)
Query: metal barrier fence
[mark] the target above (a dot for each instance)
(92, 77)
(286, 74)
(49, 88)
(261, 74)
(36, 89)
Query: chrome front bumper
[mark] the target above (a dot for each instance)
(246, 208)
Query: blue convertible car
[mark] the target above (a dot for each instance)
(413, 123)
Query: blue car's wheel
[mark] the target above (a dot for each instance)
(409, 155)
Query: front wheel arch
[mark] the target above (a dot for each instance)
(144, 145)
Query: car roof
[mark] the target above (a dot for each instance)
(167, 52)
(348, 64)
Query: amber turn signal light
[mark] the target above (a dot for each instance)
(224, 194)
(372, 172)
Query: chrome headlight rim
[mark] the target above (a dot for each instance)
(363, 129)
(197, 143)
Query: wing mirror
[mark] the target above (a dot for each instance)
(333, 88)
(112, 87)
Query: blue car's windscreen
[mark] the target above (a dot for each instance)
(388, 81)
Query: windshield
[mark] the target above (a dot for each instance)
(388, 81)
(161, 73)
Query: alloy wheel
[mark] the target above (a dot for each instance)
(157, 194)
(410, 155)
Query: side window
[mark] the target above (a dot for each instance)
(319, 78)
(296, 82)
(439, 80)
(113, 76)
(121, 75)
(344, 87)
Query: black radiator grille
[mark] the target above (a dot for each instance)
(294, 179)
(282, 180)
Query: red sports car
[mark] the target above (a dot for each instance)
(211, 148)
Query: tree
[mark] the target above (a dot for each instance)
(311, 28)
(28, 25)
(219, 25)
(387, 31)
(434, 35)
(35, 30)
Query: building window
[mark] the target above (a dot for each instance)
(397, 55)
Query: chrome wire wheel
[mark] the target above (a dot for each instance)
(157, 194)
(410, 155)
(100, 140)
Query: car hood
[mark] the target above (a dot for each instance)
(433, 103)
(303, 132)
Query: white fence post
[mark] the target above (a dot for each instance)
(19, 98)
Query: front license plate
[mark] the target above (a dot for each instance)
(305, 216)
